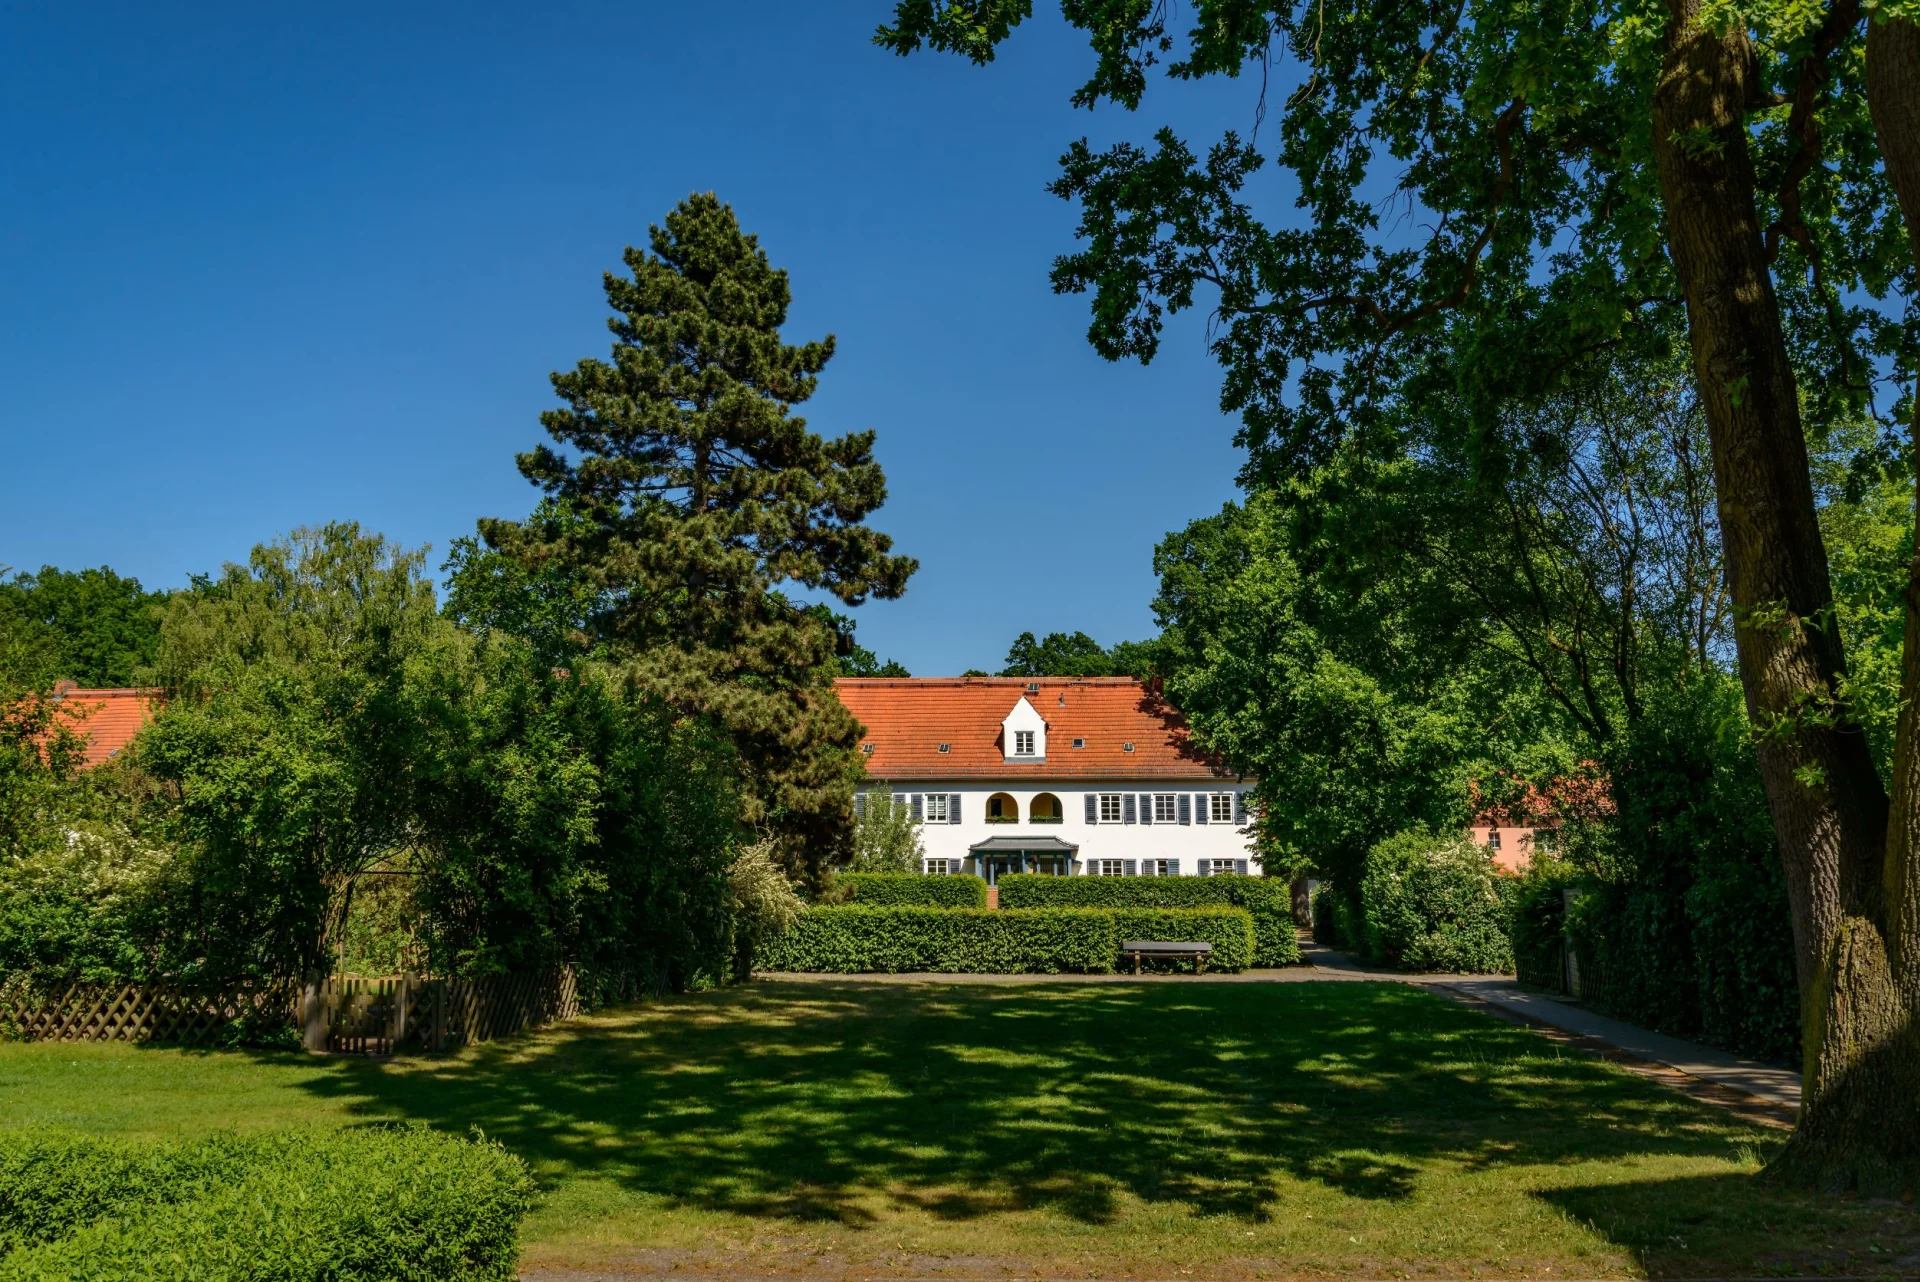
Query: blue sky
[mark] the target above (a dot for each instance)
(272, 265)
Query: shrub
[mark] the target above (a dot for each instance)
(1435, 903)
(1336, 920)
(851, 939)
(1537, 921)
(276, 1207)
(1268, 900)
(1229, 930)
(876, 890)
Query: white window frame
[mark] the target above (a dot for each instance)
(1163, 808)
(1023, 743)
(1223, 867)
(1165, 867)
(936, 808)
(940, 867)
(1109, 807)
(1109, 868)
(1220, 807)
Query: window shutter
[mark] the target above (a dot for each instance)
(1173, 868)
(1240, 808)
(1131, 868)
(1146, 807)
(860, 805)
(1200, 807)
(1093, 807)
(899, 800)
(1240, 866)
(1126, 808)
(1204, 869)
(953, 808)
(919, 805)
(1185, 804)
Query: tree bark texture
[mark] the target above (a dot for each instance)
(1829, 809)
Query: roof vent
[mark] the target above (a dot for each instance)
(1126, 747)
(867, 748)
(944, 747)
(1079, 743)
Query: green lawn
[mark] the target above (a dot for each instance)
(1222, 1130)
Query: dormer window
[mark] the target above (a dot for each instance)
(1023, 743)
(1023, 734)
(1033, 687)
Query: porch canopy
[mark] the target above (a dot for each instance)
(998, 855)
(1029, 845)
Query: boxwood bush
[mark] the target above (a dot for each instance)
(1268, 900)
(283, 1206)
(1432, 903)
(1229, 930)
(851, 939)
(883, 889)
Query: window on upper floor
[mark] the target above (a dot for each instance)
(937, 808)
(1046, 809)
(1493, 839)
(1109, 807)
(1220, 807)
(1163, 808)
(1023, 743)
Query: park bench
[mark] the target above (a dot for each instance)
(1180, 949)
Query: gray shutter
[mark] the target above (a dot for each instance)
(918, 802)
(1240, 866)
(1203, 868)
(1126, 808)
(1130, 868)
(1173, 867)
(1200, 807)
(1093, 807)
(1146, 807)
(1240, 808)
(953, 808)
(899, 800)
(860, 804)
(1185, 804)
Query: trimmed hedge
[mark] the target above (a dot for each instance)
(1229, 930)
(284, 1206)
(1268, 899)
(851, 939)
(887, 889)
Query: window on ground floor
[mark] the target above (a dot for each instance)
(942, 867)
(1160, 867)
(1223, 867)
(1109, 868)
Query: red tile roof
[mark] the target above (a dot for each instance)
(908, 718)
(108, 719)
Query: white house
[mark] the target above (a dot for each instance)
(1066, 775)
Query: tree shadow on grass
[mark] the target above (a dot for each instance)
(839, 1101)
(1737, 1225)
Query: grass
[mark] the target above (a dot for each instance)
(1222, 1130)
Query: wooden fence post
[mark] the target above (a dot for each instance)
(439, 1041)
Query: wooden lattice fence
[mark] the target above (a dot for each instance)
(354, 1016)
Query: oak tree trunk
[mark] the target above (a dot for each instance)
(1829, 809)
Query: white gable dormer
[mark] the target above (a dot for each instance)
(1023, 735)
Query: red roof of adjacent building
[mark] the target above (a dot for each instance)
(107, 719)
(908, 718)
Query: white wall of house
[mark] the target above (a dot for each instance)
(1126, 839)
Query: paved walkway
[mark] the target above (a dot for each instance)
(1776, 1086)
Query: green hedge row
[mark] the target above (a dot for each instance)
(880, 889)
(283, 1206)
(1268, 900)
(852, 939)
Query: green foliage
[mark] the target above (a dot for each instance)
(850, 658)
(556, 612)
(705, 495)
(852, 939)
(90, 906)
(1537, 925)
(279, 1207)
(1229, 930)
(1685, 927)
(1076, 654)
(874, 890)
(765, 905)
(1268, 901)
(1435, 903)
(886, 837)
(91, 627)
(1336, 919)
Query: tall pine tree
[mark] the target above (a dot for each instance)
(702, 495)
